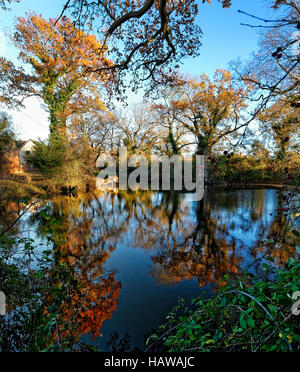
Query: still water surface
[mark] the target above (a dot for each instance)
(137, 253)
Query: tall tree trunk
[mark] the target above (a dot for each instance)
(204, 150)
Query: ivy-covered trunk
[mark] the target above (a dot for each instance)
(172, 141)
(204, 149)
(57, 102)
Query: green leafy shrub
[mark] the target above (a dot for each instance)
(249, 314)
(231, 169)
(60, 163)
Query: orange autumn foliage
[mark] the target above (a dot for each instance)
(65, 64)
(210, 109)
(146, 35)
(90, 307)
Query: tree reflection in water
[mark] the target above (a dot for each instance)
(186, 240)
(77, 242)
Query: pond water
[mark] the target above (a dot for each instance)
(137, 253)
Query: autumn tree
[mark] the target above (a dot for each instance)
(211, 109)
(282, 123)
(144, 36)
(138, 131)
(94, 131)
(173, 135)
(62, 59)
(259, 151)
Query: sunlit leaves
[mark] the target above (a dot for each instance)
(67, 66)
(145, 36)
(209, 109)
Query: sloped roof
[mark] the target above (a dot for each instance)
(20, 144)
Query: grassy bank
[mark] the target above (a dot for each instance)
(10, 189)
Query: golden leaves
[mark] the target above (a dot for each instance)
(68, 64)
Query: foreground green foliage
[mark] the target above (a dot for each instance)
(249, 314)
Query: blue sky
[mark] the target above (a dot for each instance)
(224, 39)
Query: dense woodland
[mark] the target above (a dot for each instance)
(245, 120)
